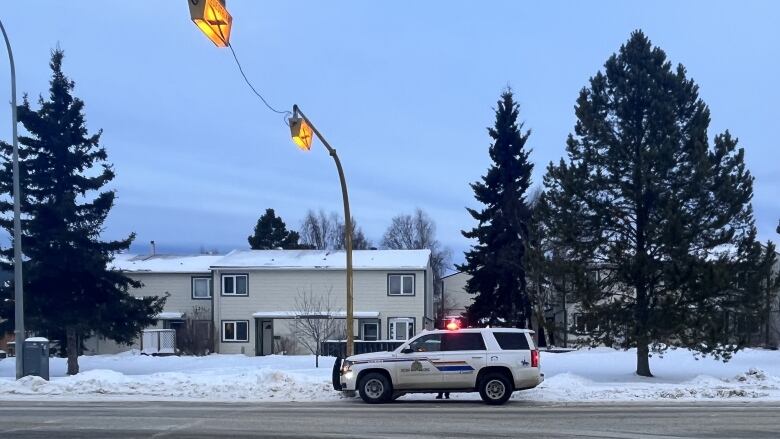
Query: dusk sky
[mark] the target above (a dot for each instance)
(403, 90)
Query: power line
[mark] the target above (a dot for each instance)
(254, 90)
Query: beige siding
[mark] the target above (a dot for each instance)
(456, 299)
(179, 288)
(276, 290)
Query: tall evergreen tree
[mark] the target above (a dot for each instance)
(496, 262)
(663, 216)
(271, 233)
(69, 289)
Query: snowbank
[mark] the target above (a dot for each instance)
(586, 375)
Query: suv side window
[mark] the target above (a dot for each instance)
(512, 341)
(463, 341)
(427, 343)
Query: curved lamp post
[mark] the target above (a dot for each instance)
(213, 19)
(302, 132)
(18, 287)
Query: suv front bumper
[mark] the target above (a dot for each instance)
(348, 381)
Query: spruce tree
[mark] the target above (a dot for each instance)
(69, 290)
(656, 221)
(496, 262)
(271, 233)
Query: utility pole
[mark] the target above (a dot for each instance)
(18, 287)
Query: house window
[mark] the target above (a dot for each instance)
(234, 285)
(235, 330)
(369, 330)
(401, 328)
(400, 284)
(201, 287)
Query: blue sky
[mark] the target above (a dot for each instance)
(403, 90)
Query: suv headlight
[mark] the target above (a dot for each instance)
(346, 366)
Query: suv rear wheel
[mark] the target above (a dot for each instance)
(495, 388)
(375, 388)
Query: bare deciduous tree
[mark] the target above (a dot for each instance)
(196, 336)
(318, 230)
(359, 240)
(323, 231)
(315, 321)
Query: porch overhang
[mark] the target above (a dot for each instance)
(296, 314)
(169, 315)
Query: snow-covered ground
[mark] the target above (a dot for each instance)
(586, 375)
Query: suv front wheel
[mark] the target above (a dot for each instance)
(375, 388)
(495, 388)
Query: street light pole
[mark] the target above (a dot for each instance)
(18, 287)
(347, 228)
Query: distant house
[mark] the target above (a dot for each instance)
(454, 298)
(245, 302)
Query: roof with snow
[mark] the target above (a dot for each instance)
(325, 259)
(164, 263)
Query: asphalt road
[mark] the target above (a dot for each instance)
(410, 419)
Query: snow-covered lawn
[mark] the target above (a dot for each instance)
(586, 375)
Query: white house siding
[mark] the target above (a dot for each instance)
(274, 290)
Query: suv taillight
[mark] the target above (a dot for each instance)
(534, 358)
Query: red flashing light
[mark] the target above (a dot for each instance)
(534, 358)
(453, 325)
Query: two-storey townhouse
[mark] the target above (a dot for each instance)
(257, 291)
(187, 283)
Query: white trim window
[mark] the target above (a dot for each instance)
(400, 328)
(235, 285)
(400, 285)
(201, 287)
(235, 330)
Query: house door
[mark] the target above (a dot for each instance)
(264, 337)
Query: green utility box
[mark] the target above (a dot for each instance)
(36, 357)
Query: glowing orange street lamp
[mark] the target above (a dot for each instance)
(302, 131)
(212, 19)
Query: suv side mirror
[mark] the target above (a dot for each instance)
(407, 350)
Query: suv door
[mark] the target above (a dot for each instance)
(415, 370)
(463, 355)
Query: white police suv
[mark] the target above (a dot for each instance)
(492, 361)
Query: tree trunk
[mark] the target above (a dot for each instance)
(643, 358)
(72, 348)
(768, 315)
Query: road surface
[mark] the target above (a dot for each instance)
(403, 419)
